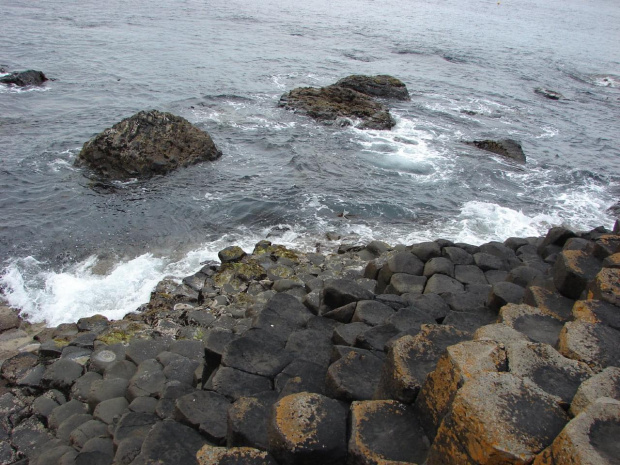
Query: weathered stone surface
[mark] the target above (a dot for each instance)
(408, 318)
(342, 314)
(403, 283)
(62, 374)
(441, 284)
(606, 286)
(210, 455)
(556, 236)
(82, 385)
(572, 271)
(606, 245)
(354, 376)
(148, 380)
(248, 419)
(30, 437)
(24, 78)
(66, 427)
(377, 337)
(503, 293)
(339, 292)
(17, 367)
(457, 255)
(604, 384)
(385, 432)
(371, 313)
(431, 304)
(120, 369)
(206, 411)
(170, 443)
(486, 262)
(591, 438)
(328, 104)
(469, 322)
(181, 369)
(143, 405)
(549, 302)
(508, 148)
(347, 334)
(597, 311)
(140, 350)
(543, 365)
(148, 143)
(411, 358)
(490, 422)
(234, 383)
(595, 344)
(439, 265)
(499, 332)
(532, 322)
(105, 355)
(469, 301)
(458, 364)
(107, 410)
(133, 425)
(425, 251)
(8, 319)
(86, 431)
(233, 253)
(524, 275)
(256, 354)
(376, 86)
(282, 315)
(64, 411)
(469, 274)
(308, 428)
(550, 94)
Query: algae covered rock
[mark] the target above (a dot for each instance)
(377, 86)
(147, 144)
(508, 148)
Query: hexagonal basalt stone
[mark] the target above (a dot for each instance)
(590, 438)
(597, 311)
(206, 411)
(442, 284)
(469, 274)
(606, 286)
(595, 344)
(385, 432)
(403, 283)
(411, 358)
(310, 344)
(62, 374)
(210, 455)
(552, 372)
(308, 428)
(30, 437)
(458, 364)
(503, 293)
(64, 411)
(133, 425)
(19, 366)
(248, 419)
(426, 251)
(107, 410)
(604, 384)
(532, 322)
(372, 313)
(256, 354)
(499, 332)
(348, 334)
(573, 270)
(148, 380)
(86, 431)
(231, 254)
(141, 350)
(458, 256)
(354, 376)
(549, 302)
(339, 292)
(170, 443)
(234, 383)
(497, 418)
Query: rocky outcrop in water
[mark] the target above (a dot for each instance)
(548, 93)
(349, 101)
(146, 144)
(24, 78)
(499, 353)
(508, 148)
(383, 86)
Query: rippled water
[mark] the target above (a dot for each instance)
(72, 247)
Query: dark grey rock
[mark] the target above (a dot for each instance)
(347, 334)
(342, 314)
(508, 148)
(573, 270)
(353, 377)
(81, 388)
(310, 344)
(442, 284)
(556, 236)
(143, 405)
(469, 274)
(505, 293)
(486, 262)
(86, 431)
(431, 304)
(105, 389)
(391, 300)
(66, 427)
(62, 374)
(426, 251)
(308, 374)
(376, 86)
(107, 410)
(469, 322)
(18, 366)
(181, 370)
(24, 78)
(409, 318)
(371, 313)
(133, 425)
(94, 324)
(256, 353)
(106, 355)
(30, 437)
(440, 265)
(523, 275)
(120, 369)
(128, 449)
(206, 411)
(403, 283)
(234, 383)
(170, 443)
(64, 411)
(495, 276)
(466, 301)
(458, 256)
(376, 337)
(149, 380)
(248, 419)
(339, 292)
(140, 350)
(146, 144)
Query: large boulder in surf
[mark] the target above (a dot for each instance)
(338, 104)
(24, 78)
(383, 86)
(146, 144)
(508, 148)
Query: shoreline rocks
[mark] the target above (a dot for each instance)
(24, 78)
(350, 100)
(267, 357)
(146, 144)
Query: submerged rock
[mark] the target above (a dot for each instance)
(377, 86)
(24, 78)
(328, 104)
(146, 144)
(508, 148)
(550, 94)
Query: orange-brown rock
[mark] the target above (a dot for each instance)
(607, 244)
(549, 302)
(308, 428)
(411, 358)
(597, 345)
(591, 438)
(604, 384)
(211, 455)
(459, 363)
(497, 418)
(385, 432)
(597, 311)
(606, 286)
(499, 332)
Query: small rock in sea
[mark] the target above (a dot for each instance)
(376, 86)
(508, 148)
(147, 144)
(24, 78)
(550, 94)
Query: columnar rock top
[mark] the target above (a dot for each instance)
(432, 353)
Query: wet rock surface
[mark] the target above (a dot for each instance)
(24, 78)
(240, 365)
(146, 144)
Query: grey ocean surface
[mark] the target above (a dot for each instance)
(72, 247)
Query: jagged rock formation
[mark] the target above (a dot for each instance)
(435, 353)
(24, 78)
